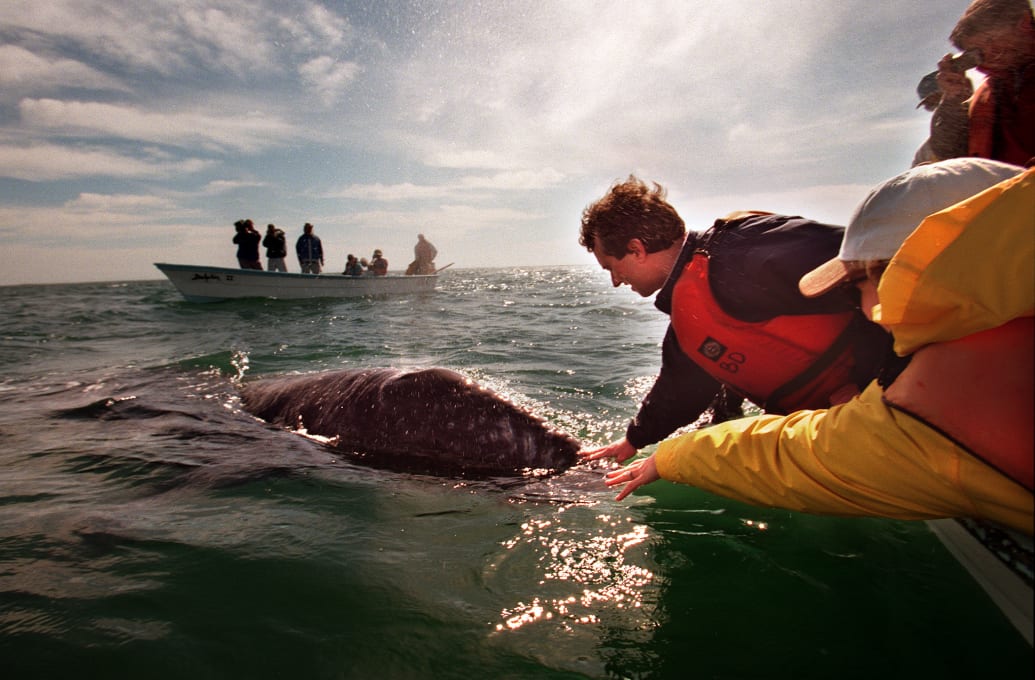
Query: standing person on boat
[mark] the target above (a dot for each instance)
(930, 99)
(378, 265)
(950, 434)
(423, 257)
(309, 250)
(738, 321)
(276, 248)
(352, 266)
(998, 119)
(247, 240)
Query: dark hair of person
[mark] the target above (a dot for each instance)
(983, 15)
(631, 209)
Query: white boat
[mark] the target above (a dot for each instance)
(199, 283)
(999, 559)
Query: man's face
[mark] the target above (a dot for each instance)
(630, 269)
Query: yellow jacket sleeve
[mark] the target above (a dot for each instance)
(965, 269)
(859, 458)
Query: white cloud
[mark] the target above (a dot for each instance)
(832, 204)
(21, 69)
(518, 180)
(448, 221)
(223, 35)
(232, 37)
(43, 162)
(689, 88)
(224, 186)
(404, 191)
(314, 29)
(248, 132)
(451, 157)
(464, 187)
(91, 202)
(328, 78)
(94, 220)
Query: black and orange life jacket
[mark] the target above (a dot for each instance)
(783, 364)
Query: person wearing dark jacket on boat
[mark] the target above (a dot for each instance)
(738, 320)
(247, 240)
(309, 250)
(276, 248)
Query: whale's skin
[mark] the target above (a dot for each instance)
(433, 420)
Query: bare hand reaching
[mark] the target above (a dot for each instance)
(954, 84)
(633, 476)
(620, 451)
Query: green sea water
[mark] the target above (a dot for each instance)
(149, 528)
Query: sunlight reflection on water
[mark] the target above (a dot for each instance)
(583, 577)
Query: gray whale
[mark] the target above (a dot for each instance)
(434, 421)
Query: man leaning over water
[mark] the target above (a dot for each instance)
(738, 319)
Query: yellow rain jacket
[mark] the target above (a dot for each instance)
(966, 269)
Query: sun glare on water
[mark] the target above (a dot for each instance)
(581, 576)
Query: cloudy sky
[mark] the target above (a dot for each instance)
(135, 132)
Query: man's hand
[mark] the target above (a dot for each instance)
(955, 86)
(621, 451)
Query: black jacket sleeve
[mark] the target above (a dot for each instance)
(681, 393)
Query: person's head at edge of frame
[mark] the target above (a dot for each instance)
(633, 232)
(307, 228)
(890, 213)
(1002, 30)
(929, 92)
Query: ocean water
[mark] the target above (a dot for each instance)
(151, 529)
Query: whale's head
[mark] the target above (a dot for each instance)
(454, 418)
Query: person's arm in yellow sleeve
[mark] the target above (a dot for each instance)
(862, 458)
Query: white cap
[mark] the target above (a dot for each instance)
(894, 208)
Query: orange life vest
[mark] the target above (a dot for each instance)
(783, 364)
(978, 390)
(981, 130)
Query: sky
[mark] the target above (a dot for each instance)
(135, 132)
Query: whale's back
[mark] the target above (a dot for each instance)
(434, 419)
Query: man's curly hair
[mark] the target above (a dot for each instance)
(986, 15)
(631, 209)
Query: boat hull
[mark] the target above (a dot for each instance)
(211, 284)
